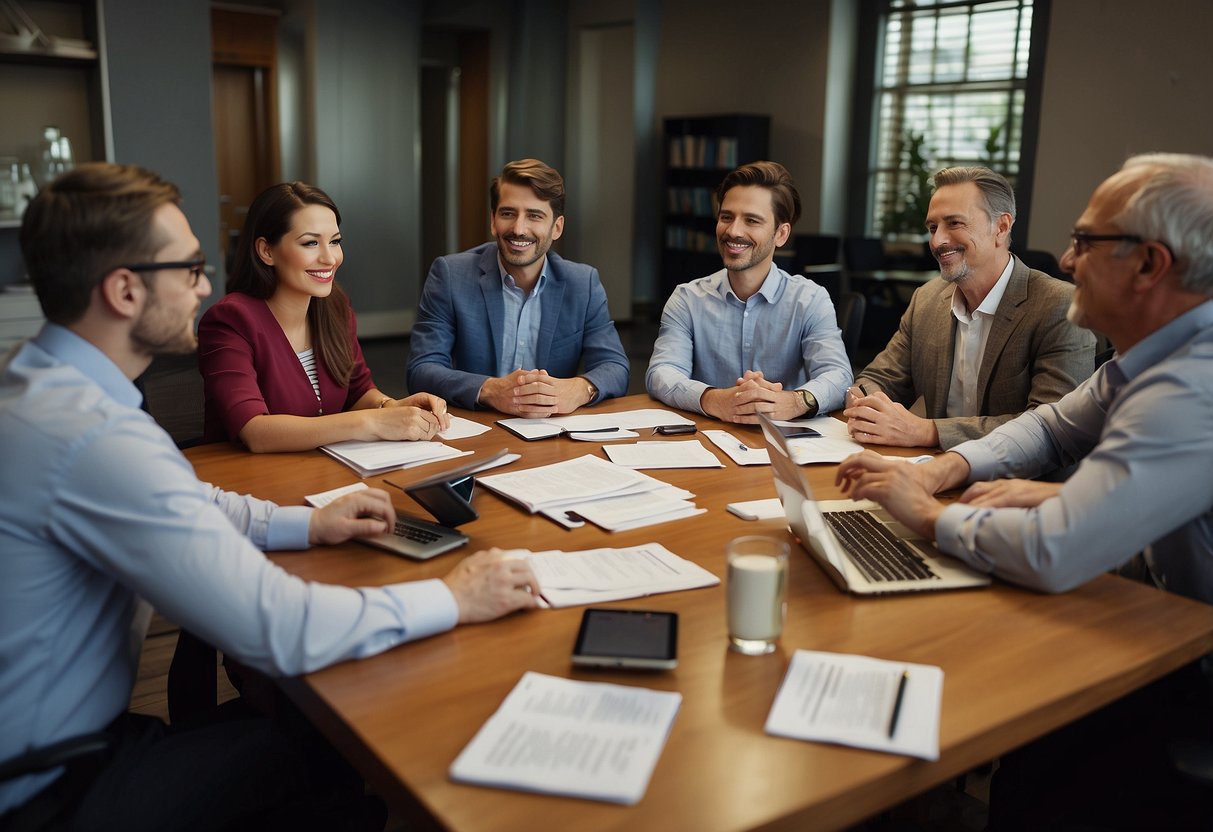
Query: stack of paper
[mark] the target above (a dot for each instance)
(592, 422)
(861, 702)
(590, 488)
(370, 458)
(596, 576)
(552, 735)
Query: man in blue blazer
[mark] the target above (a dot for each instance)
(506, 324)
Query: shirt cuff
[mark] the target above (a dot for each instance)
(428, 607)
(288, 528)
(983, 464)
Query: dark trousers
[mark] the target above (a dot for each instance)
(1112, 769)
(227, 769)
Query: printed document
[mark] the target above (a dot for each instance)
(378, 457)
(593, 576)
(627, 419)
(579, 739)
(860, 702)
(834, 444)
(575, 480)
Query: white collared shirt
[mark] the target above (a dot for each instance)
(972, 333)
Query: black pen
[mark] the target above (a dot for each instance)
(861, 388)
(901, 691)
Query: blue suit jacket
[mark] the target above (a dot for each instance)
(457, 337)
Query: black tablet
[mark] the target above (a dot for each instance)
(627, 638)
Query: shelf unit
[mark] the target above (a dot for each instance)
(57, 81)
(699, 152)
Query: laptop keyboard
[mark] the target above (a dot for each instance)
(878, 553)
(407, 530)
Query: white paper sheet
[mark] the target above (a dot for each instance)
(583, 478)
(626, 419)
(850, 700)
(592, 576)
(378, 457)
(758, 509)
(580, 739)
(462, 428)
(738, 451)
(687, 453)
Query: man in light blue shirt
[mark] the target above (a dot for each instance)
(1141, 431)
(101, 516)
(751, 338)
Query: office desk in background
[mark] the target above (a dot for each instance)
(1017, 664)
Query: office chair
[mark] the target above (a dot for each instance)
(851, 309)
(863, 254)
(172, 394)
(1043, 261)
(72, 753)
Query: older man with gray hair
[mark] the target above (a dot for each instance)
(983, 342)
(1141, 431)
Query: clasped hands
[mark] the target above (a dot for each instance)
(486, 585)
(753, 394)
(534, 394)
(425, 417)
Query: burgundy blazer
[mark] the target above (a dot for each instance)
(249, 369)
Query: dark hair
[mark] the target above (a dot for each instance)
(269, 217)
(545, 181)
(785, 199)
(84, 225)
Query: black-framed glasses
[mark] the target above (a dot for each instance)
(197, 267)
(1081, 241)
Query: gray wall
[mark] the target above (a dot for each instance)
(159, 66)
(1121, 77)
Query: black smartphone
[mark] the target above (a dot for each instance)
(796, 431)
(674, 430)
(641, 639)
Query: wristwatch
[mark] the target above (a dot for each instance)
(810, 403)
(593, 390)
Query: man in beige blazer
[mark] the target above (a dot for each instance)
(983, 342)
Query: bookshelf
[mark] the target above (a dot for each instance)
(699, 152)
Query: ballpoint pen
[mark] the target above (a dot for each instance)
(901, 691)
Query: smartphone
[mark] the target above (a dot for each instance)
(641, 639)
(674, 430)
(796, 431)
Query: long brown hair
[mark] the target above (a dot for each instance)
(270, 217)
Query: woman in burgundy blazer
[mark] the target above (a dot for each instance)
(279, 355)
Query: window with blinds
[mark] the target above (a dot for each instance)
(950, 89)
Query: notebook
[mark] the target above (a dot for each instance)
(858, 544)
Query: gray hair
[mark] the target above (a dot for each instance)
(996, 191)
(1174, 205)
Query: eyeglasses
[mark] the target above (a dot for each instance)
(1081, 241)
(197, 267)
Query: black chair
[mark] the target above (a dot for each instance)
(816, 249)
(863, 254)
(75, 754)
(1042, 261)
(172, 394)
(850, 311)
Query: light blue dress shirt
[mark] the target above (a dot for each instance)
(520, 327)
(710, 338)
(1142, 427)
(99, 511)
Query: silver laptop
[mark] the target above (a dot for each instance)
(859, 545)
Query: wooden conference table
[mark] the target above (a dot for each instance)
(1017, 664)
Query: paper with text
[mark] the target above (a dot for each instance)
(568, 579)
(849, 700)
(580, 739)
(575, 480)
(627, 419)
(368, 458)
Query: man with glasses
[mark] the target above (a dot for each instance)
(99, 510)
(982, 343)
(1141, 431)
